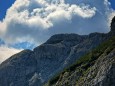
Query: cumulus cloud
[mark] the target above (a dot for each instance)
(32, 19)
(110, 16)
(6, 52)
(2, 28)
(36, 20)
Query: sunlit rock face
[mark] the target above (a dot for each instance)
(34, 68)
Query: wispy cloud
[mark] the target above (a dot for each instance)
(6, 52)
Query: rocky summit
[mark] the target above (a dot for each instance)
(37, 67)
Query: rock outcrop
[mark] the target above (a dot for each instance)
(97, 68)
(112, 32)
(34, 68)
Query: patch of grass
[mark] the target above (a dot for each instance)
(84, 63)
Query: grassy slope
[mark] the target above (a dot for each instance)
(84, 63)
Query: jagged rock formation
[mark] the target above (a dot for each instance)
(34, 68)
(113, 24)
(97, 68)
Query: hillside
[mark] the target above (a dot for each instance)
(96, 68)
(35, 67)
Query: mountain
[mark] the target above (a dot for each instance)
(96, 68)
(34, 68)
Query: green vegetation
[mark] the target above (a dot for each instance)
(54, 79)
(84, 63)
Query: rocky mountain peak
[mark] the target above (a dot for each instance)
(113, 25)
(34, 68)
(58, 38)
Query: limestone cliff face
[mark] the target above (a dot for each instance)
(97, 68)
(34, 68)
(18, 69)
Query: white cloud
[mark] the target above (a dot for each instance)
(2, 28)
(111, 14)
(33, 19)
(6, 52)
(36, 20)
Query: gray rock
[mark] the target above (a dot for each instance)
(34, 68)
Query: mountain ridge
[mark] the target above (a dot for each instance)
(93, 69)
(34, 68)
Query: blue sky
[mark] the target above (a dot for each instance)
(112, 3)
(29, 23)
(4, 5)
